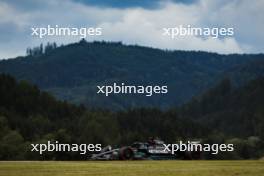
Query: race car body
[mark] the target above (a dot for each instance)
(152, 150)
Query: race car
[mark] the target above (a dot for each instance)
(153, 149)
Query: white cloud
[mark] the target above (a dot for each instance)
(138, 25)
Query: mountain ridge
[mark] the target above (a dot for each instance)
(72, 72)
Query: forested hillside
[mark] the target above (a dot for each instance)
(228, 109)
(28, 115)
(223, 114)
(72, 72)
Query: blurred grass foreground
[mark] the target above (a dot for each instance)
(132, 168)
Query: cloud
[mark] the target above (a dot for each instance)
(148, 4)
(135, 25)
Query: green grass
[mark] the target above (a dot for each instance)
(132, 168)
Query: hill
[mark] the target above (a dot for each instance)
(28, 115)
(72, 72)
(234, 111)
(223, 114)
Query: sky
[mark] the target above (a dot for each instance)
(134, 22)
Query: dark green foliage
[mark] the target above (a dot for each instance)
(231, 110)
(28, 115)
(39, 51)
(222, 115)
(72, 72)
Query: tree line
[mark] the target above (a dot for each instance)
(41, 49)
(28, 115)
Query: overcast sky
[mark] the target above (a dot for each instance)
(134, 22)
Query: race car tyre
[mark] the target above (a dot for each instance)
(126, 153)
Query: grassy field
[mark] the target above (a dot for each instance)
(133, 168)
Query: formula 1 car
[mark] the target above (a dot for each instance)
(151, 150)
